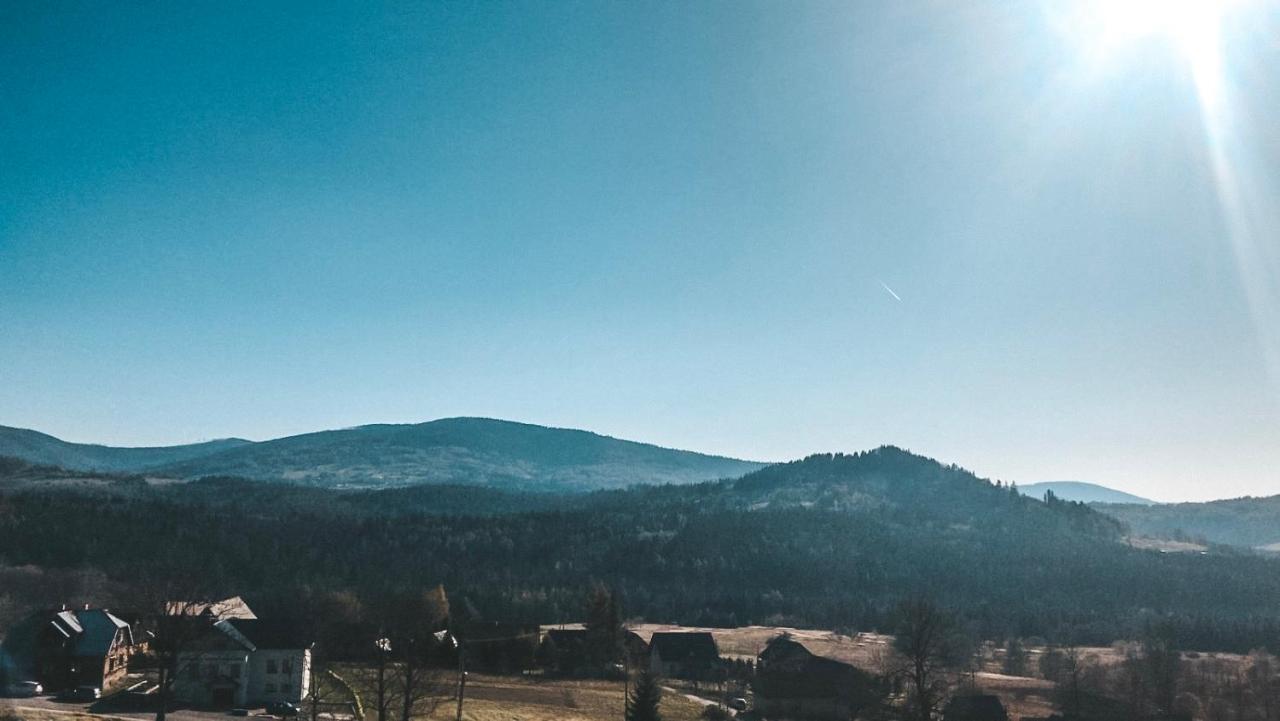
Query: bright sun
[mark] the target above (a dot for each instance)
(1183, 20)
(1192, 26)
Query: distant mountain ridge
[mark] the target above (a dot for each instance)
(477, 451)
(1248, 522)
(44, 449)
(1083, 492)
(830, 540)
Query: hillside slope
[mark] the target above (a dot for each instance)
(829, 541)
(44, 449)
(1082, 492)
(1246, 522)
(478, 451)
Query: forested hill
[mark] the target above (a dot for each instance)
(476, 451)
(43, 449)
(1246, 522)
(830, 541)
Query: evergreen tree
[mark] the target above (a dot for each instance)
(1015, 658)
(604, 627)
(644, 700)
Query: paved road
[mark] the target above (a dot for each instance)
(697, 699)
(49, 704)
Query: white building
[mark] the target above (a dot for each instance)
(246, 663)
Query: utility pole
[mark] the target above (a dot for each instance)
(462, 676)
(626, 683)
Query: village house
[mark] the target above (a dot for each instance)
(490, 646)
(635, 649)
(245, 662)
(796, 681)
(233, 607)
(975, 707)
(564, 650)
(65, 649)
(683, 654)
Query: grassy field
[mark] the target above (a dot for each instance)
(520, 698)
(10, 709)
(496, 698)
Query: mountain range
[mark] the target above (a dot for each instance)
(1248, 522)
(521, 460)
(1082, 492)
(475, 451)
(829, 541)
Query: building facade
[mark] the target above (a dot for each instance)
(64, 649)
(245, 663)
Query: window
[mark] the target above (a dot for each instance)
(269, 688)
(271, 665)
(235, 670)
(211, 670)
(286, 665)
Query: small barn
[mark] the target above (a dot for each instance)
(975, 707)
(683, 654)
(794, 681)
(564, 651)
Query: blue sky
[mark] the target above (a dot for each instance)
(672, 223)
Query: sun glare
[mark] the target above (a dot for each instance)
(1192, 26)
(1110, 33)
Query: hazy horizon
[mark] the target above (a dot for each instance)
(1026, 481)
(1034, 241)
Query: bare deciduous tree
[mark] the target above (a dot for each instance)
(928, 641)
(170, 601)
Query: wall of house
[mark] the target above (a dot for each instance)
(279, 675)
(199, 673)
(115, 667)
(807, 708)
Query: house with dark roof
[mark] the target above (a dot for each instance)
(975, 707)
(683, 654)
(635, 648)
(565, 651)
(245, 662)
(795, 681)
(63, 649)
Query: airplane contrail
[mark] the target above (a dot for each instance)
(889, 291)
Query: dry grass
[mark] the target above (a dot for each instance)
(14, 708)
(1166, 546)
(499, 698)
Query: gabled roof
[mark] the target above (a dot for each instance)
(697, 646)
(975, 707)
(233, 607)
(561, 636)
(788, 669)
(85, 632)
(99, 631)
(257, 633)
(65, 623)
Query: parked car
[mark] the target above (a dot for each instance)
(738, 704)
(81, 693)
(24, 689)
(283, 708)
